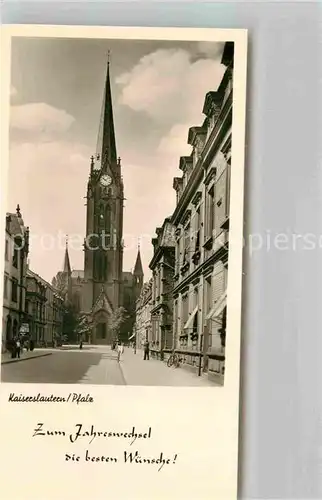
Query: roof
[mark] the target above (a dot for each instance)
(67, 268)
(14, 227)
(106, 146)
(228, 54)
(138, 268)
(78, 273)
(102, 302)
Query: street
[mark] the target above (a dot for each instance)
(96, 365)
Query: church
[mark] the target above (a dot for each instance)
(102, 287)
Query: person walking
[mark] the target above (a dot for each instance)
(120, 350)
(146, 350)
(18, 347)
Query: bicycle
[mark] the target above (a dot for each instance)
(173, 360)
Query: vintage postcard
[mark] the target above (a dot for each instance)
(122, 233)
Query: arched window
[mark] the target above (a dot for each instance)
(101, 216)
(108, 218)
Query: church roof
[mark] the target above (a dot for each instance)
(106, 146)
(138, 268)
(77, 273)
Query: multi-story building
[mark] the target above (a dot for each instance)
(143, 327)
(35, 307)
(201, 221)
(162, 266)
(45, 309)
(15, 269)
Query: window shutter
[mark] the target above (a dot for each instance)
(220, 204)
(218, 284)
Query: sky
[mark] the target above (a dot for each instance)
(57, 85)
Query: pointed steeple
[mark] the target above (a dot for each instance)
(106, 146)
(67, 268)
(138, 268)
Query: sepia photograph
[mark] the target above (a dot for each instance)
(118, 207)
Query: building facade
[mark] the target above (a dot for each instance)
(143, 324)
(162, 266)
(15, 270)
(201, 222)
(44, 310)
(102, 287)
(35, 308)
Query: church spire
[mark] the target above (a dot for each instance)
(106, 146)
(67, 268)
(138, 268)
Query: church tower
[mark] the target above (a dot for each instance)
(103, 248)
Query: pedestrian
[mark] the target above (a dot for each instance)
(81, 344)
(18, 347)
(31, 345)
(120, 350)
(134, 347)
(146, 350)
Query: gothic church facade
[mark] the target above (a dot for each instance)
(102, 287)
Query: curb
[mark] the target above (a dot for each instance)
(15, 360)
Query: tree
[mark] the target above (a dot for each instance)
(84, 327)
(70, 322)
(118, 317)
(59, 282)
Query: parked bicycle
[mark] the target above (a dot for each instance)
(174, 360)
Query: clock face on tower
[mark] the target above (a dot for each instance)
(105, 180)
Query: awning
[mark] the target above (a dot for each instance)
(191, 318)
(132, 336)
(218, 307)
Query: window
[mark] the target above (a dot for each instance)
(108, 219)
(5, 287)
(15, 258)
(208, 294)
(195, 297)
(14, 291)
(184, 309)
(7, 250)
(175, 316)
(186, 243)
(197, 230)
(181, 250)
(210, 212)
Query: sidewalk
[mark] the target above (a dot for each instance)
(38, 353)
(136, 371)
